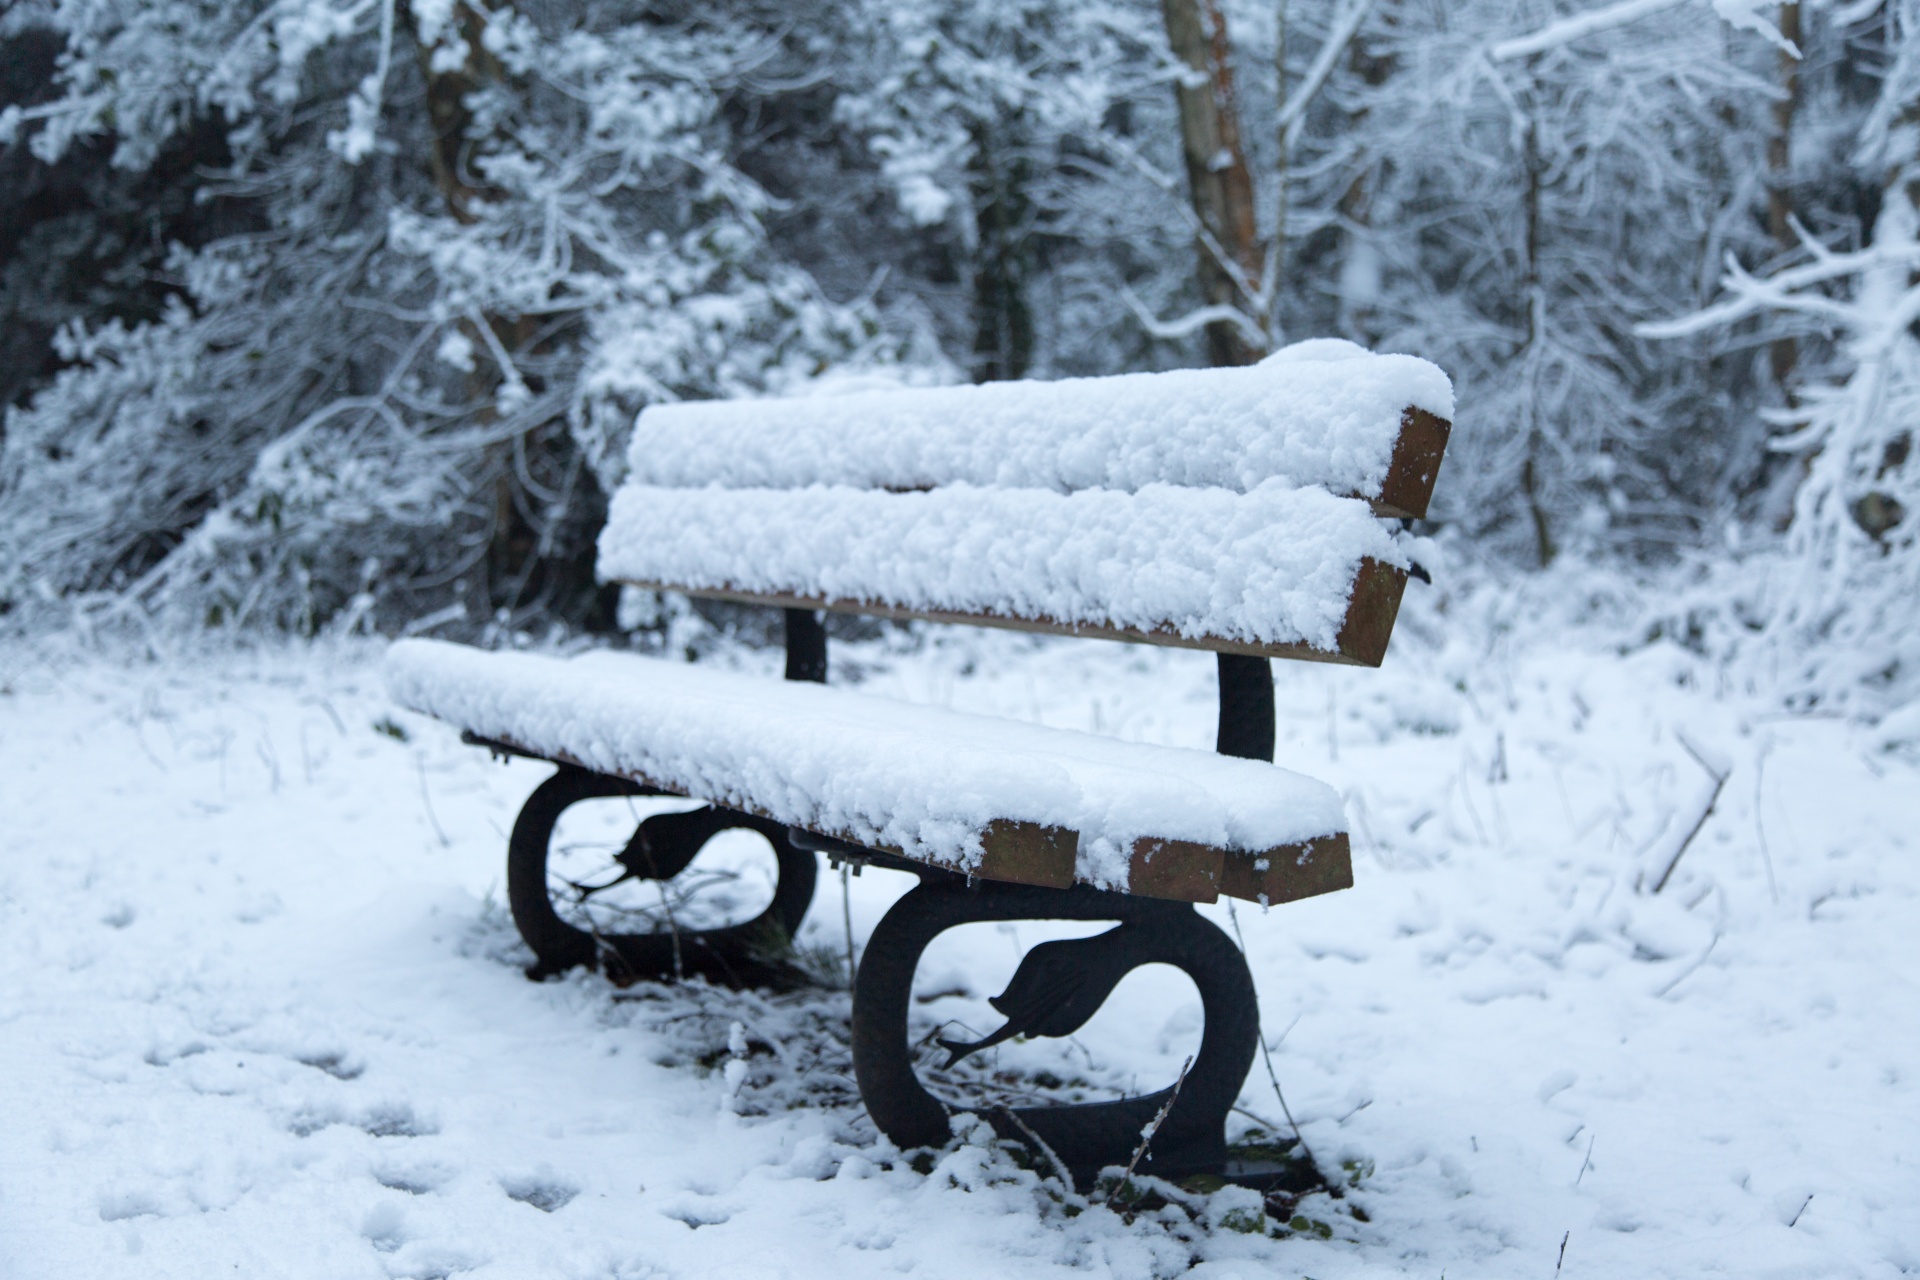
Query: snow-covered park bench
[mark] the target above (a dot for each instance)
(1236, 510)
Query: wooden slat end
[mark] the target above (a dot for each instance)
(1028, 853)
(1177, 869)
(1371, 610)
(1291, 872)
(1415, 465)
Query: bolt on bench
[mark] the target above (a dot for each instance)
(1236, 510)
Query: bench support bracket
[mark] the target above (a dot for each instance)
(754, 953)
(1057, 988)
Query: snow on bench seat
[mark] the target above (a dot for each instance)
(1321, 413)
(994, 798)
(1271, 572)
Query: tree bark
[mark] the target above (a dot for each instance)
(447, 91)
(538, 556)
(1530, 481)
(1360, 270)
(1277, 245)
(1218, 180)
(1784, 352)
(998, 174)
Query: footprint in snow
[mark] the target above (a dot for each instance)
(541, 1189)
(167, 1055)
(118, 1206)
(697, 1216)
(385, 1227)
(414, 1179)
(335, 1062)
(382, 1120)
(430, 1260)
(395, 1120)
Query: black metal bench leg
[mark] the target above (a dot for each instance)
(1246, 707)
(1057, 987)
(806, 646)
(747, 954)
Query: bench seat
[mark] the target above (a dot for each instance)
(993, 798)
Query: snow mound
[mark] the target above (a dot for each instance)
(923, 780)
(1273, 566)
(1323, 412)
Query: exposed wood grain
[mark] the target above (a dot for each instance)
(1179, 869)
(1290, 872)
(1028, 853)
(1415, 465)
(1371, 610)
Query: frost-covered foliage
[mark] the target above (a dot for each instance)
(1839, 609)
(410, 382)
(1488, 224)
(465, 240)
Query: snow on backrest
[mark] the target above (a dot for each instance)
(1275, 569)
(1229, 508)
(1323, 413)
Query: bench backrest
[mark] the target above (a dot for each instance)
(1227, 509)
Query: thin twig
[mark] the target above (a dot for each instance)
(1293, 114)
(1286, 1111)
(673, 927)
(1689, 970)
(1146, 1133)
(1719, 781)
(425, 799)
(1563, 1254)
(846, 918)
(1059, 1168)
(1266, 1054)
(1760, 818)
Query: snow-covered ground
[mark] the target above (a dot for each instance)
(261, 1013)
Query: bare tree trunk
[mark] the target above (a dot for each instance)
(447, 92)
(1277, 246)
(1360, 270)
(1784, 352)
(1530, 481)
(998, 174)
(535, 557)
(1218, 180)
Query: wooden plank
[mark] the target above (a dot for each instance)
(1415, 465)
(1177, 869)
(1371, 610)
(1290, 872)
(1027, 853)
(1362, 641)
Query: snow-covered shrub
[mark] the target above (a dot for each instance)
(1831, 610)
(409, 386)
